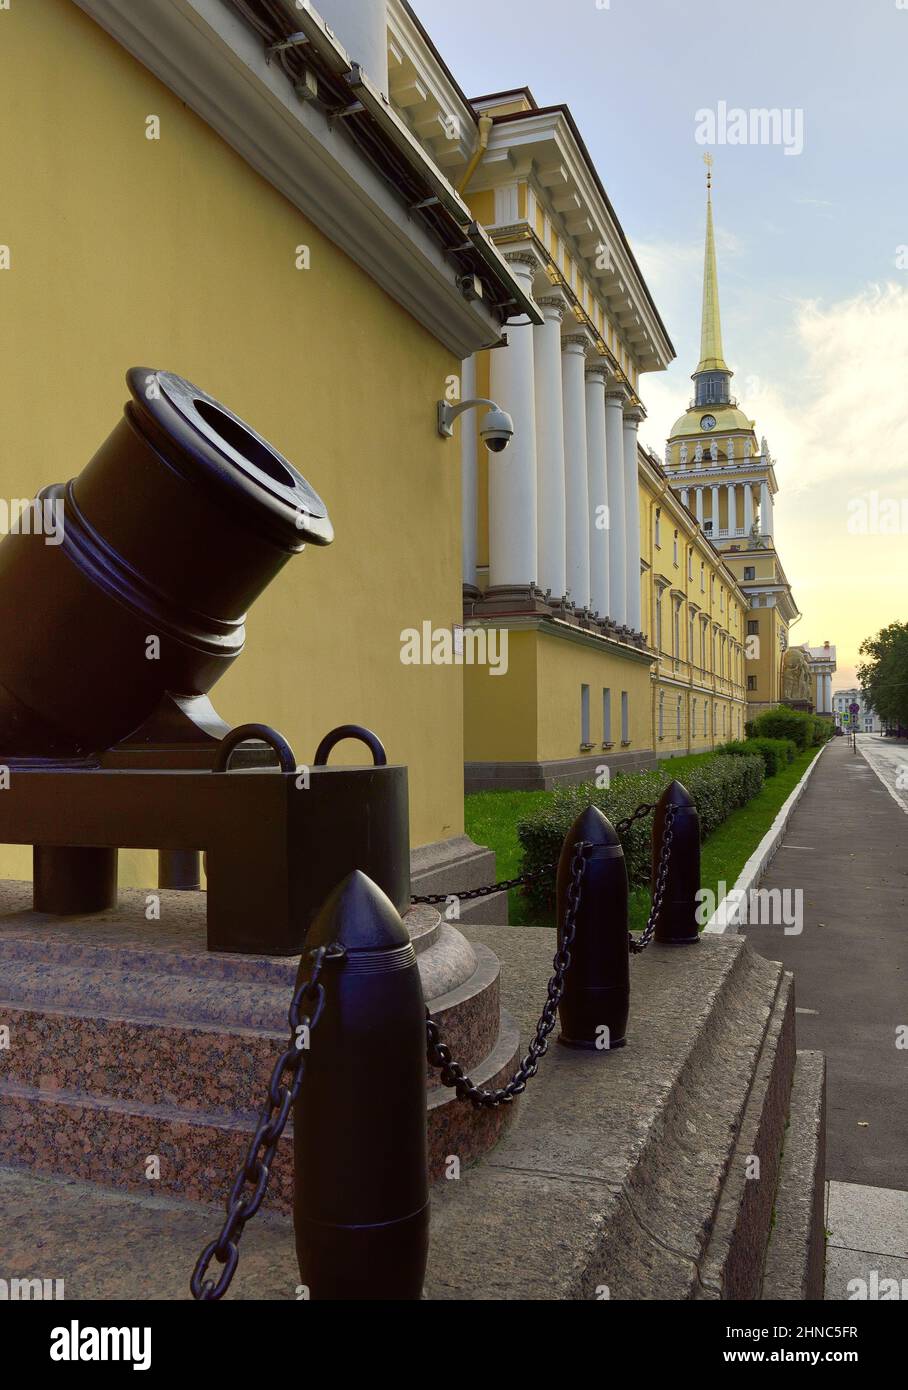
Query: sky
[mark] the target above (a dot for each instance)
(812, 244)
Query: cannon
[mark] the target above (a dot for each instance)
(115, 623)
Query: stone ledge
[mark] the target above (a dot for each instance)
(796, 1257)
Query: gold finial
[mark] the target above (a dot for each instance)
(708, 161)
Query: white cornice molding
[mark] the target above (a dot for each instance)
(204, 53)
(411, 60)
(545, 142)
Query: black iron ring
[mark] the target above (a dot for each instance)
(242, 733)
(366, 736)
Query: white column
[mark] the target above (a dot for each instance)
(748, 508)
(732, 510)
(614, 453)
(469, 491)
(827, 705)
(700, 505)
(820, 687)
(550, 449)
(685, 494)
(632, 420)
(577, 507)
(597, 489)
(715, 510)
(765, 510)
(512, 475)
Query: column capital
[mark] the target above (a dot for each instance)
(526, 260)
(597, 369)
(578, 341)
(554, 306)
(634, 414)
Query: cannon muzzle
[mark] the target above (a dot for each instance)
(139, 589)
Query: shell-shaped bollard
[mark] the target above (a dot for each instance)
(676, 924)
(596, 999)
(361, 1187)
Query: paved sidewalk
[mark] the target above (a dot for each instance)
(846, 848)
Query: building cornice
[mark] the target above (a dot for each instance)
(214, 62)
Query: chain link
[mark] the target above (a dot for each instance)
(255, 1170)
(638, 944)
(439, 1054)
(508, 883)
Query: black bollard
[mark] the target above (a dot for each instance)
(596, 999)
(676, 924)
(361, 1182)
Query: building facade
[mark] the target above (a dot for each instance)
(867, 721)
(621, 649)
(822, 664)
(727, 480)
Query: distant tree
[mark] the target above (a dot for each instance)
(884, 675)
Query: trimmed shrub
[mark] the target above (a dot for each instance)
(775, 752)
(783, 722)
(718, 786)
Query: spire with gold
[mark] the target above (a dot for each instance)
(711, 358)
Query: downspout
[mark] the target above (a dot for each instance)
(485, 129)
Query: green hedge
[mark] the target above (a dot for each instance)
(775, 752)
(719, 785)
(806, 730)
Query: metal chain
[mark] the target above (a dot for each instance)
(638, 944)
(255, 1170)
(506, 884)
(487, 889)
(439, 1054)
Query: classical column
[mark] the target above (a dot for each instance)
(748, 508)
(469, 491)
(577, 507)
(512, 475)
(732, 510)
(614, 453)
(765, 510)
(597, 487)
(715, 511)
(685, 494)
(550, 448)
(827, 704)
(700, 505)
(820, 684)
(632, 420)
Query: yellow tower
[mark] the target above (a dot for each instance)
(727, 481)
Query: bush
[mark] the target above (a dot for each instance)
(718, 786)
(775, 752)
(782, 722)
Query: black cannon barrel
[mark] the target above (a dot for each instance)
(160, 545)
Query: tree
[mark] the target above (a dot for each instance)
(884, 675)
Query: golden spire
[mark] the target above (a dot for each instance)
(711, 359)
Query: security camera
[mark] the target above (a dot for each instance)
(497, 431)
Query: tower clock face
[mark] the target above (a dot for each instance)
(708, 422)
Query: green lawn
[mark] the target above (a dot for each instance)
(492, 818)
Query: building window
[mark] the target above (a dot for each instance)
(705, 712)
(585, 716)
(702, 578)
(661, 713)
(606, 715)
(679, 716)
(690, 640)
(751, 682)
(722, 599)
(625, 719)
(676, 631)
(690, 563)
(753, 627)
(658, 619)
(658, 525)
(675, 548)
(693, 718)
(750, 572)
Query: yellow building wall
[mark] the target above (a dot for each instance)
(563, 667)
(500, 711)
(175, 254)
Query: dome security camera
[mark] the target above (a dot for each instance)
(496, 430)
